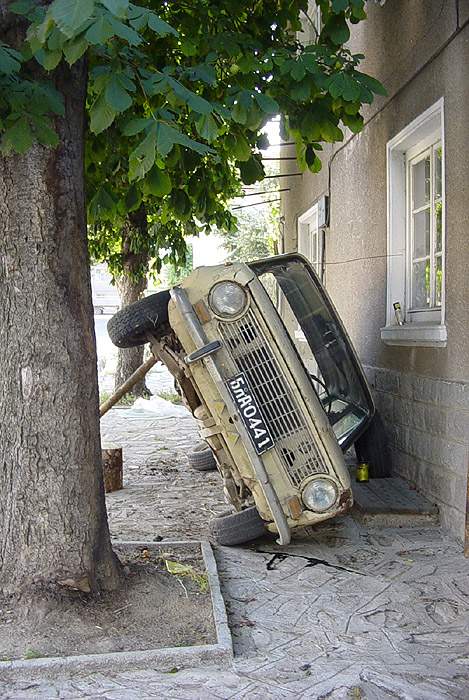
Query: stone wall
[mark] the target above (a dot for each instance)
(427, 421)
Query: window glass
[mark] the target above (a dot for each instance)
(326, 354)
(439, 279)
(421, 183)
(422, 233)
(425, 231)
(421, 284)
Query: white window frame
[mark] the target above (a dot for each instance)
(313, 252)
(305, 246)
(428, 328)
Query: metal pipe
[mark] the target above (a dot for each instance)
(252, 194)
(256, 204)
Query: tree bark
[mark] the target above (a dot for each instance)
(53, 521)
(131, 286)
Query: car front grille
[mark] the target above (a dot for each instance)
(250, 352)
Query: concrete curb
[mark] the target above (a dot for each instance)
(162, 660)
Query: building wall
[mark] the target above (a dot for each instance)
(421, 54)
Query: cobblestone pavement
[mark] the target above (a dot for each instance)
(344, 613)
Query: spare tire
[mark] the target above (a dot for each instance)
(132, 325)
(237, 528)
(201, 458)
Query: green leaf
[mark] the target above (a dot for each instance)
(48, 59)
(10, 60)
(207, 127)
(157, 182)
(343, 85)
(70, 14)
(267, 103)
(73, 50)
(239, 113)
(354, 122)
(56, 40)
(135, 126)
(44, 132)
(298, 71)
(238, 146)
(52, 98)
(181, 203)
(142, 158)
(22, 7)
(101, 115)
(168, 136)
(194, 101)
(116, 95)
(330, 132)
(102, 206)
(159, 26)
(117, 7)
(125, 32)
(155, 84)
(338, 30)
(339, 6)
(251, 171)
(18, 137)
(371, 83)
(100, 31)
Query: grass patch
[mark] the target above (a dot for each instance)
(127, 400)
(32, 654)
(170, 396)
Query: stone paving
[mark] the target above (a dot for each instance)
(344, 613)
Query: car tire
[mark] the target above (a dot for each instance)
(201, 458)
(133, 325)
(237, 528)
(373, 447)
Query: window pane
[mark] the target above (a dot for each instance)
(437, 163)
(421, 284)
(314, 245)
(421, 183)
(438, 217)
(439, 279)
(422, 234)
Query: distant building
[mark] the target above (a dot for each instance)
(397, 231)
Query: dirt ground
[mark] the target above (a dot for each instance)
(154, 608)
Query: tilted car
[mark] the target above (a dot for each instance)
(268, 371)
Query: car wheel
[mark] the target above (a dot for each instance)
(133, 325)
(372, 447)
(201, 458)
(237, 528)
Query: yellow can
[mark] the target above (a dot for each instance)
(363, 472)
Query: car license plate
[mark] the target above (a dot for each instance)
(250, 413)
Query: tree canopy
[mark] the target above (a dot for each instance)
(178, 94)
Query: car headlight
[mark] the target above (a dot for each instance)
(227, 299)
(320, 495)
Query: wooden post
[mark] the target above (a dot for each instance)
(112, 468)
(126, 386)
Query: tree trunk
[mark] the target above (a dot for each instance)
(131, 286)
(53, 521)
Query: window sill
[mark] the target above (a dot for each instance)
(413, 335)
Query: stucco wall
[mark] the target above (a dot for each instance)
(416, 50)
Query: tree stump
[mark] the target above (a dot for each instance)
(112, 468)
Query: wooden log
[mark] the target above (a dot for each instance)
(126, 386)
(112, 468)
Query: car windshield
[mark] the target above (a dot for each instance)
(320, 341)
